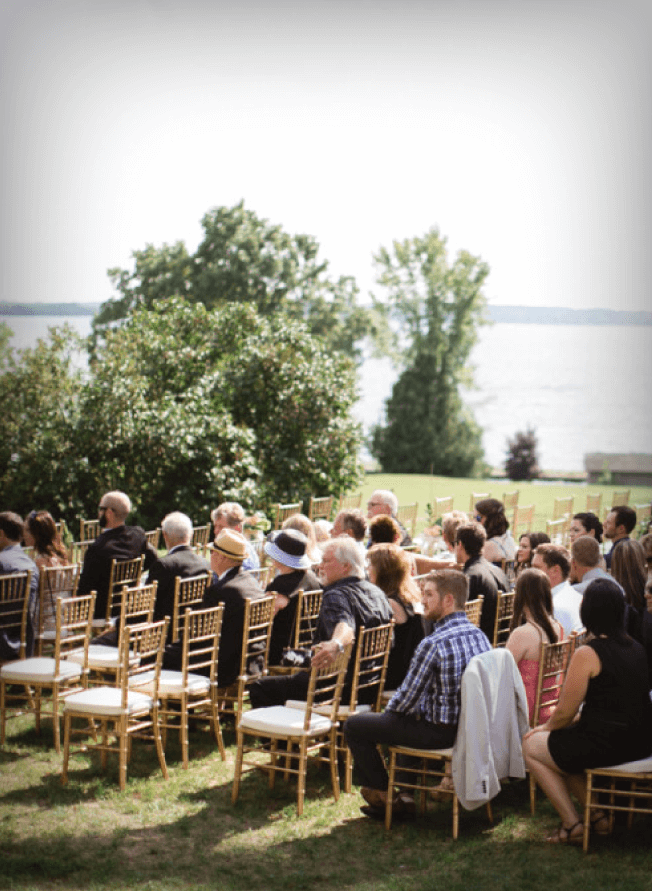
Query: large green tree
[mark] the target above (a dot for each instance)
(182, 408)
(245, 259)
(434, 308)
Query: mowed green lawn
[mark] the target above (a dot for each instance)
(425, 489)
(185, 833)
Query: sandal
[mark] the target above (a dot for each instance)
(442, 792)
(600, 823)
(564, 835)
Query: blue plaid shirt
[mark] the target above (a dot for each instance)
(431, 688)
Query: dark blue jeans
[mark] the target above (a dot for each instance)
(363, 733)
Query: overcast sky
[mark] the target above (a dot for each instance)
(523, 130)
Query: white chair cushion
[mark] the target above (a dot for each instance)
(99, 657)
(40, 669)
(280, 719)
(170, 683)
(344, 711)
(107, 701)
(642, 766)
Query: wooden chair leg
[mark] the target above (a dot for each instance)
(66, 749)
(238, 768)
(159, 745)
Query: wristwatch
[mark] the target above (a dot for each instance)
(340, 645)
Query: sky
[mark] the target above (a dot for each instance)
(522, 130)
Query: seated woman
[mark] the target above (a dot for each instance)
(287, 550)
(40, 533)
(585, 523)
(532, 625)
(629, 569)
(389, 568)
(304, 524)
(499, 545)
(609, 674)
(527, 545)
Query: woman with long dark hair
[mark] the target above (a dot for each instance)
(527, 545)
(585, 523)
(532, 624)
(609, 676)
(500, 545)
(389, 568)
(40, 533)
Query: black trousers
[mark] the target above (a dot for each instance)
(363, 733)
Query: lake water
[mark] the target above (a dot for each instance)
(583, 388)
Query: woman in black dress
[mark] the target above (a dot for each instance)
(389, 568)
(609, 674)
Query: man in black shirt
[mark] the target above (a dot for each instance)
(349, 603)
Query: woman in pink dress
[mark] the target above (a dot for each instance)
(532, 625)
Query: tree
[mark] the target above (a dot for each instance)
(434, 309)
(181, 408)
(241, 259)
(522, 462)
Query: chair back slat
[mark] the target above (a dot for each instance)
(141, 651)
(320, 508)
(325, 687)
(523, 520)
(187, 592)
(77, 550)
(73, 624)
(475, 497)
(257, 631)
(121, 573)
(307, 614)
(442, 506)
(563, 507)
(407, 515)
(553, 664)
(283, 511)
(594, 503)
(473, 610)
(14, 606)
(371, 656)
(54, 583)
(620, 496)
(201, 642)
(89, 529)
(504, 613)
(154, 538)
(200, 536)
(350, 502)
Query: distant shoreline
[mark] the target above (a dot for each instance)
(522, 315)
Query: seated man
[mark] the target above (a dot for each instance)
(585, 563)
(14, 559)
(383, 501)
(554, 560)
(232, 588)
(231, 515)
(425, 710)
(351, 522)
(116, 542)
(484, 577)
(619, 524)
(349, 603)
(179, 562)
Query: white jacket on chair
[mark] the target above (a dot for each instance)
(493, 720)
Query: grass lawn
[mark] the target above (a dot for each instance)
(186, 834)
(424, 489)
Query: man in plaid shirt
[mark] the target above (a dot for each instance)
(425, 710)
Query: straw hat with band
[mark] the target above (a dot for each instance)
(232, 544)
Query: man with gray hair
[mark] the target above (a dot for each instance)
(383, 501)
(349, 603)
(231, 515)
(117, 541)
(179, 562)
